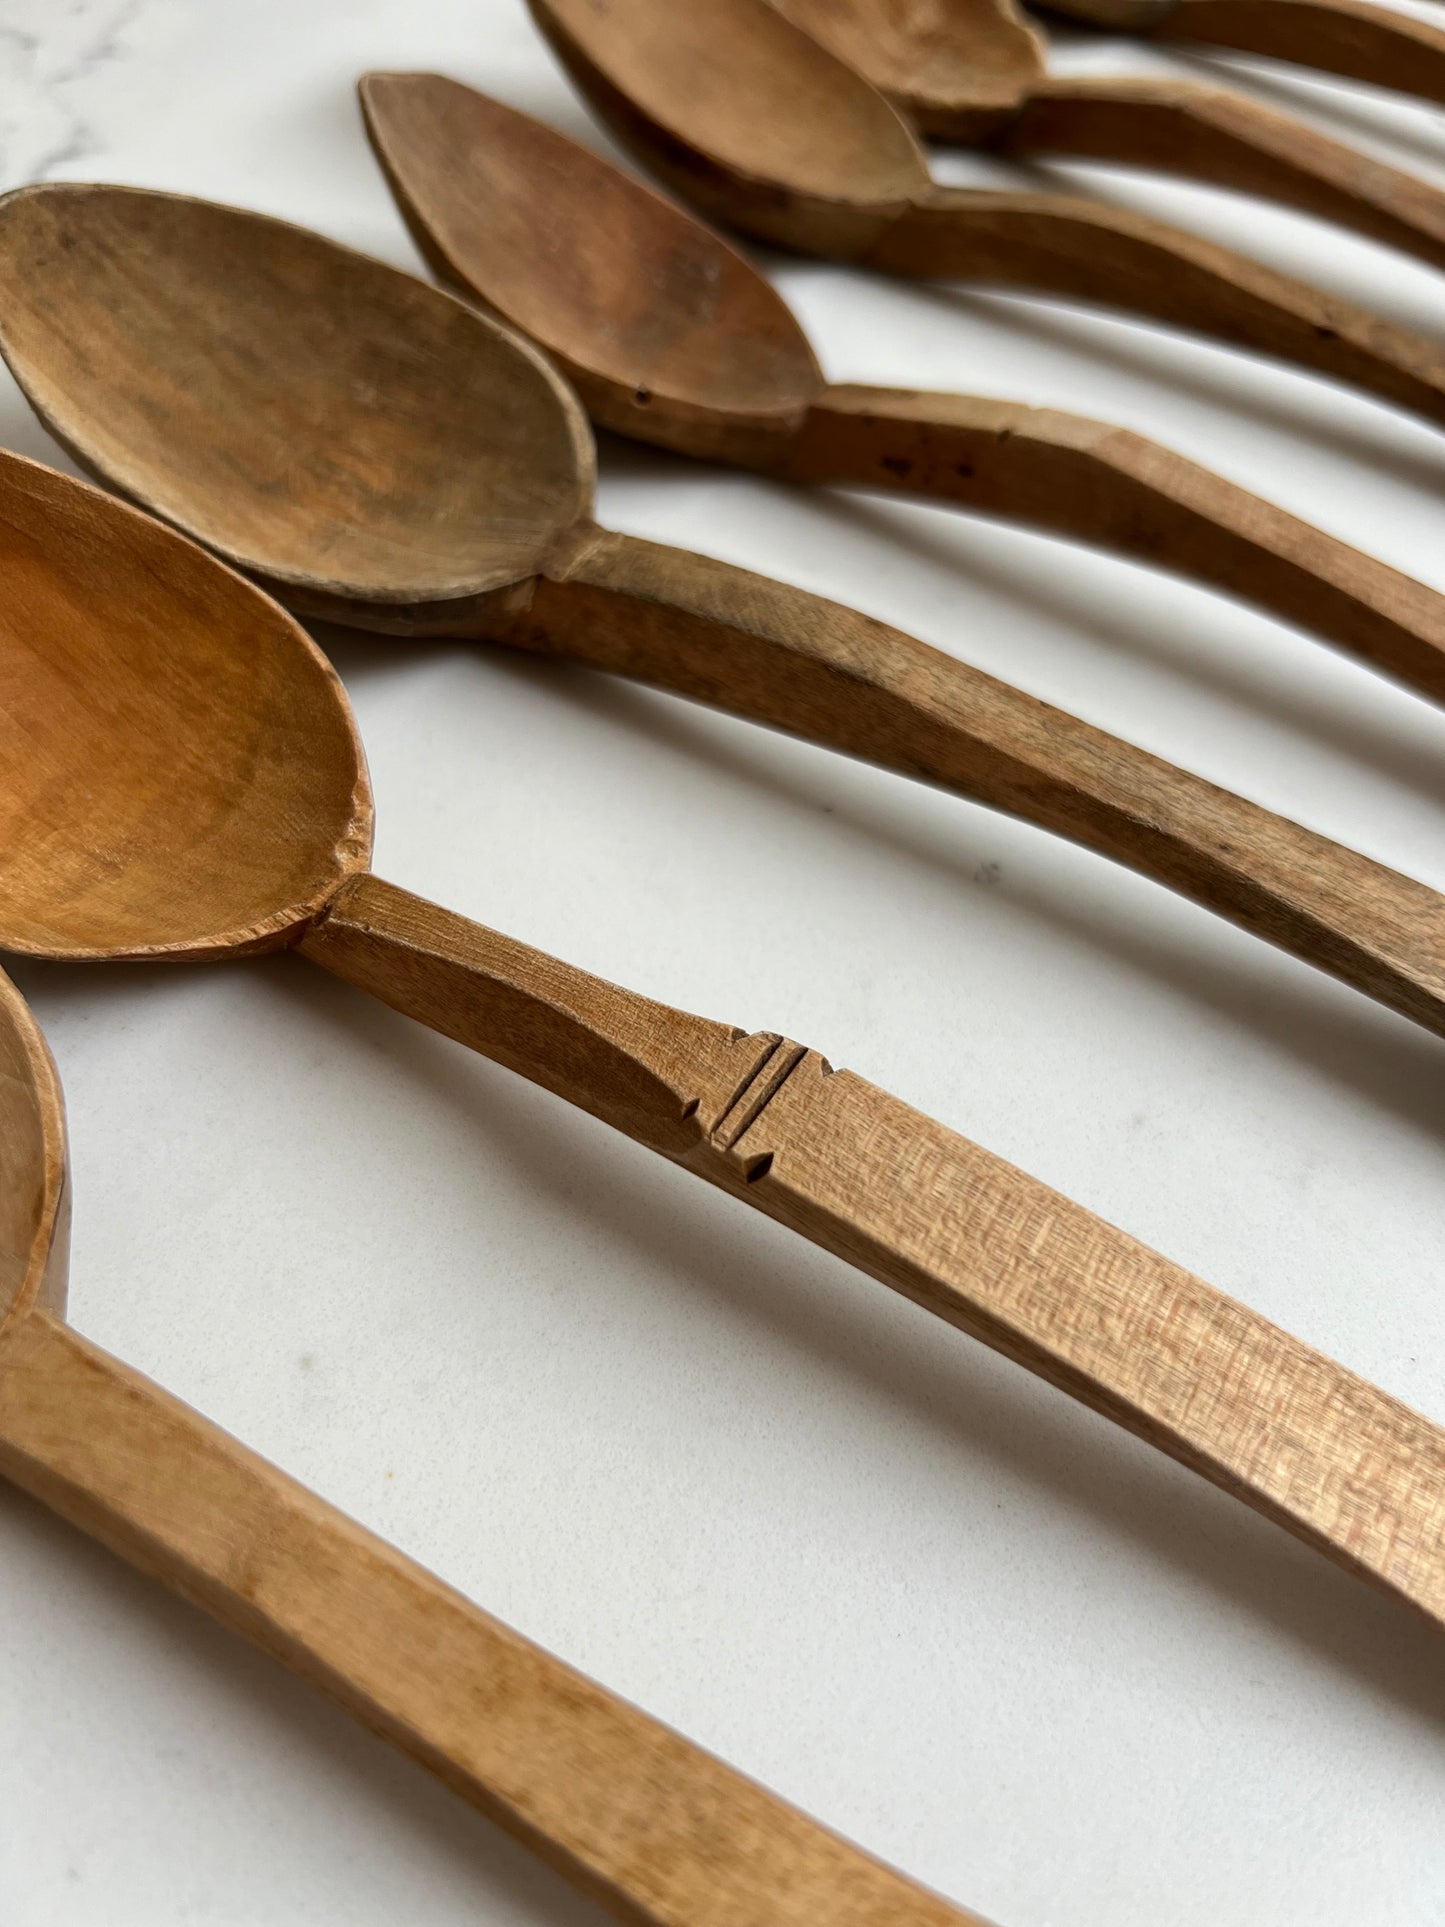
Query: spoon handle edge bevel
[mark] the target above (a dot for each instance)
(781, 656)
(1350, 37)
(657, 1830)
(1089, 251)
(935, 1217)
(1220, 135)
(1118, 490)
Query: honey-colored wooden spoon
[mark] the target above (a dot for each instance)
(1349, 37)
(180, 778)
(378, 452)
(657, 1830)
(786, 142)
(974, 71)
(670, 336)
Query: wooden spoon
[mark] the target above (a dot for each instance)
(670, 336)
(971, 70)
(749, 118)
(180, 777)
(378, 452)
(1349, 37)
(640, 1819)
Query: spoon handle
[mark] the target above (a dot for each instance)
(780, 656)
(949, 1225)
(1349, 37)
(1108, 486)
(659, 1831)
(1062, 245)
(1216, 134)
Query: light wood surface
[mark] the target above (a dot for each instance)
(670, 336)
(848, 1167)
(788, 144)
(682, 622)
(956, 1229)
(972, 70)
(1349, 37)
(651, 1826)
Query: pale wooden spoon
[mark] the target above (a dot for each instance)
(180, 778)
(643, 1821)
(670, 336)
(786, 142)
(1349, 37)
(377, 451)
(973, 71)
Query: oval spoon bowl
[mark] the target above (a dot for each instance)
(701, 334)
(156, 334)
(182, 775)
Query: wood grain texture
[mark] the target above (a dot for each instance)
(777, 655)
(1349, 37)
(974, 71)
(673, 338)
(698, 1092)
(1217, 135)
(657, 1830)
(1113, 256)
(974, 62)
(963, 1234)
(273, 812)
(180, 775)
(1109, 486)
(788, 144)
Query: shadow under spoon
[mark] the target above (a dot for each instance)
(378, 452)
(180, 777)
(787, 143)
(657, 1830)
(1352, 38)
(670, 336)
(973, 71)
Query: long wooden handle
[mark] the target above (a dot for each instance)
(1348, 37)
(1109, 486)
(1219, 135)
(653, 1827)
(1062, 245)
(956, 1229)
(780, 656)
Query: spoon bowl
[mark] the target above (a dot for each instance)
(183, 778)
(446, 491)
(780, 137)
(666, 330)
(34, 1197)
(966, 66)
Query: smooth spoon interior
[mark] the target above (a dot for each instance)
(666, 331)
(181, 772)
(421, 455)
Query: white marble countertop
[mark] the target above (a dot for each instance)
(946, 1610)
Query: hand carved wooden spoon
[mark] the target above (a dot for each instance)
(670, 336)
(788, 143)
(180, 778)
(650, 1825)
(1349, 37)
(971, 70)
(378, 452)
